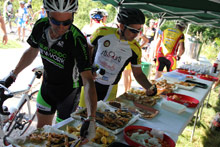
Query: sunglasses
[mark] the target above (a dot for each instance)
(58, 23)
(133, 30)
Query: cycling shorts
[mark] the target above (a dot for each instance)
(64, 108)
(104, 93)
(21, 23)
(169, 62)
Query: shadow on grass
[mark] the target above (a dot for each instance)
(211, 137)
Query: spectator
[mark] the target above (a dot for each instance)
(113, 49)
(2, 23)
(41, 13)
(29, 8)
(22, 18)
(127, 77)
(64, 53)
(8, 13)
(170, 50)
(96, 17)
(105, 16)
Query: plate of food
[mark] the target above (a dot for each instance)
(145, 111)
(186, 71)
(185, 85)
(141, 136)
(183, 99)
(207, 77)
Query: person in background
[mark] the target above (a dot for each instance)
(8, 13)
(96, 16)
(41, 13)
(105, 16)
(2, 23)
(22, 18)
(64, 52)
(170, 47)
(29, 8)
(113, 49)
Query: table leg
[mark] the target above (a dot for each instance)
(194, 126)
(208, 98)
(202, 105)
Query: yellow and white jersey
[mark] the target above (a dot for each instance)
(113, 54)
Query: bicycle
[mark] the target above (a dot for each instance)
(16, 119)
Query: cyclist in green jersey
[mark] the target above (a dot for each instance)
(64, 52)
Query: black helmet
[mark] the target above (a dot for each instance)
(130, 16)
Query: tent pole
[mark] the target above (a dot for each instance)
(187, 30)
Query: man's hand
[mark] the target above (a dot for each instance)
(87, 131)
(7, 81)
(152, 91)
(5, 39)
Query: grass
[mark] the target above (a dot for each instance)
(203, 136)
(11, 44)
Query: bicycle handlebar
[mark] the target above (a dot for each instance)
(4, 97)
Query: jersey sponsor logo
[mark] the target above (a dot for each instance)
(111, 55)
(44, 108)
(60, 43)
(106, 43)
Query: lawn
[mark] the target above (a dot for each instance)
(203, 136)
(11, 44)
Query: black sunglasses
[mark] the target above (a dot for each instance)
(58, 23)
(133, 30)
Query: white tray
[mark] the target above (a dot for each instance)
(101, 106)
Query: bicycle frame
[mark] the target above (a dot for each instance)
(14, 114)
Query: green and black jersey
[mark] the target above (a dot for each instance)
(64, 60)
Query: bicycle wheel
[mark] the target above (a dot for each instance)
(23, 121)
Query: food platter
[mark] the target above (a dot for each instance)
(182, 99)
(185, 71)
(103, 137)
(113, 120)
(185, 85)
(141, 136)
(46, 136)
(207, 77)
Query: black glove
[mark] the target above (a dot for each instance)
(152, 91)
(88, 129)
(178, 58)
(7, 81)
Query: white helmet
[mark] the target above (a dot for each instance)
(93, 12)
(70, 6)
(104, 12)
(181, 24)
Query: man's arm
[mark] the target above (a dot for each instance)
(90, 93)
(27, 58)
(145, 40)
(5, 37)
(181, 49)
(141, 78)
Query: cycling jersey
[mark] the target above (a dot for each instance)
(63, 61)
(170, 42)
(113, 54)
(171, 38)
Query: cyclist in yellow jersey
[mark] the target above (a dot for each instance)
(114, 49)
(169, 48)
